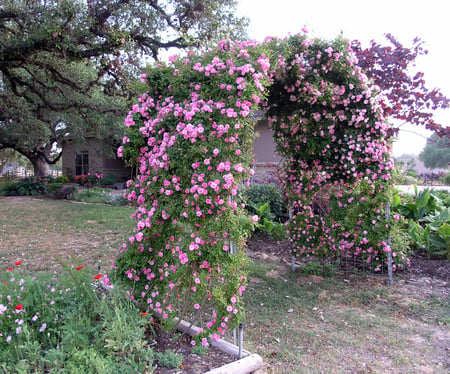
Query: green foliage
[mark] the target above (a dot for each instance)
(199, 350)
(258, 194)
(336, 184)
(109, 179)
(359, 221)
(67, 62)
(26, 187)
(436, 153)
(169, 359)
(446, 179)
(61, 179)
(423, 203)
(317, 268)
(71, 323)
(428, 214)
(53, 186)
(266, 223)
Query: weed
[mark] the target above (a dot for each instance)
(317, 268)
(199, 350)
(169, 359)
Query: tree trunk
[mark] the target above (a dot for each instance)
(41, 166)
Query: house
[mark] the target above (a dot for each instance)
(91, 157)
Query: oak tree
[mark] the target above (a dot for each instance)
(67, 66)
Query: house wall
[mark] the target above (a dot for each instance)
(264, 145)
(97, 163)
(116, 167)
(266, 161)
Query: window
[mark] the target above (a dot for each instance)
(81, 163)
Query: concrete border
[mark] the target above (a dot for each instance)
(249, 363)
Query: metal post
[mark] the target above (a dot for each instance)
(235, 337)
(241, 339)
(389, 254)
(232, 252)
(290, 221)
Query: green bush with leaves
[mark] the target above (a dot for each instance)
(109, 179)
(258, 194)
(169, 359)
(428, 220)
(267, 223)
(25, 187)
(446, 179)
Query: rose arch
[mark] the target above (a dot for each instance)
(190, 137)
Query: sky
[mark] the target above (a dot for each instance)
(365, 21)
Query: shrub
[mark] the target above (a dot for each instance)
(60, 179)
(26, 187)
(265, 223)
(446, 179)
(259, 194)
(110, 179)
(64, 192)
(169, 359)
(428, 216)
(89, 179)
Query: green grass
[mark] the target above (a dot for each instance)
(310, 324)
(44, 231)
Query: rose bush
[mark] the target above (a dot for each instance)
(190, 138)
(329, 128)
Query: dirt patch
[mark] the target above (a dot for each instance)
(192, 363)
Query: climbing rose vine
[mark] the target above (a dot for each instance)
(190, 138)
(330, 131)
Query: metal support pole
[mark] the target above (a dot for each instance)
(290, 220)
(241, 339)
(389, 254)
(232, 252)
(235, 337)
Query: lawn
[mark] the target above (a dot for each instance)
(298, 322)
